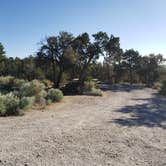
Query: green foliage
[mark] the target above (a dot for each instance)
(90, 88)
(6, 83)
(55, 95)
(17, 83)
(9, 105)
(163, 88)
(88, 52)
(40, 98)
(32, 88)
(89, 85)
(150, 70)
(71, 88)
(25, 95)
(93, 92)
(26, 102)
(10, 83)
(2, 52)
(157, 86)
(131, 62)
(162, 73)
(56, 51)
(47, 83)
(2, 105)
(49, 101)
(64, 57)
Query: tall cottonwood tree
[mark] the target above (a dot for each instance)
(88, 52)
(58, 51)
(131, 59)
(2, 58)
(149, 68)
(114, 58)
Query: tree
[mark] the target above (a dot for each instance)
(149, 68)
(57, 51)
(114, 58)
(2, 58)
(2, 52)
(131, 59)
(88, 52)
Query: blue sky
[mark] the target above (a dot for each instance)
(141, 24)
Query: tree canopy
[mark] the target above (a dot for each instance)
(63, 57)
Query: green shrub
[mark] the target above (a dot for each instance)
(71, 88)
(10, 105)
(157, 86)
(93, 92)
(55, 95)
(90, 88)
(17, 83)
(32, 88)
(89, 85)
(47, 83)
(9, 83)
(6, 83)
(27, 102)
(2, 105)
(40, 98)
(24, 95)
(163, 88)
(49, 101)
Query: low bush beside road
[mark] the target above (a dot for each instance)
(91, 88)
(9, 105)
(54, 95)
(16, 95)
(163, 88)
(94, 92)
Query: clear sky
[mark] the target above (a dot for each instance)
(141, 24)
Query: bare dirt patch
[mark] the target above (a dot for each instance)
(124, 127)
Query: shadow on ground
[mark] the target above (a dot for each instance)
(150, 114)
(123, 88)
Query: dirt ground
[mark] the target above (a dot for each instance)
(125, 127)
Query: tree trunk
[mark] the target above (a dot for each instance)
(131, 76)
(59, 79)
(81, 80)
(54, 73)
(82, 75)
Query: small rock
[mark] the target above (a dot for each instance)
(26, 164)
(38, 155)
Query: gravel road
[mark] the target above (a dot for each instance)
(125, 127)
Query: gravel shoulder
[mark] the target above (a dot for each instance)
(125, 127)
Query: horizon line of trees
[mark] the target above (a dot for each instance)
(64, 57)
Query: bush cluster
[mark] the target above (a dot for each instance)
(90, 88)
(71, 88)
(27, 102)
(34, 89)
(163, 88)
(89, 85)
(9, 105)
(18, 95)
(157, 86)
(93, 92)
(54, 95)
(9, 83)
